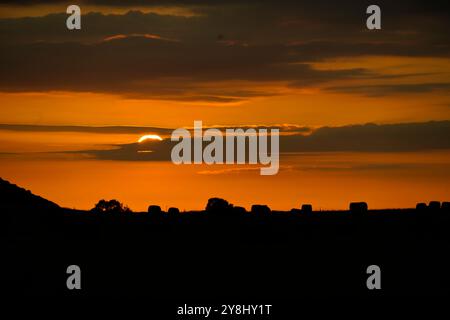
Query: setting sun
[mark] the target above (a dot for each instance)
(149, 137)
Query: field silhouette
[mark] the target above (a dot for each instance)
(223, 252)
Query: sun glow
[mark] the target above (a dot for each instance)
(149, 137)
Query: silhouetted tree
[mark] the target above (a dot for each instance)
(110, 206)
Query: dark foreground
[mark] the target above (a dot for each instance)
(209, 256)
(224, 255)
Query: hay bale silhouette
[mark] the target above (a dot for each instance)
(296, 211)
(155, 210)
(260, 209)
(358, 208)
(173, 211)
(421, 206)
(307, 208)
(217, 205)
(239, 211)
(434, 205)
(445, 206)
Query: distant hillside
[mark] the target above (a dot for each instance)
(12, 196)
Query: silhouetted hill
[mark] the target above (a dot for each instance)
(24, 215)
(12, 196)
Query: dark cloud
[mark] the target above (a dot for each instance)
(150, 55)
(387, 166)
(388, 89)
(372, 138)
(291, 129)
(355, 138)
(141, 67)
(85, 129)
(399, 5)
(253, 22)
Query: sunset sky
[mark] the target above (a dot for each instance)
(364, 114)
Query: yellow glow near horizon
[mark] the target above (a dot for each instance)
(149, 137)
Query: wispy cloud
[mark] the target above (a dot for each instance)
(137, 35)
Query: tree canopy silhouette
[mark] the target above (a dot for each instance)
(110, 206)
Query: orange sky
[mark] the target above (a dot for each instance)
(261, 72)
(311, 107)
(328, 181)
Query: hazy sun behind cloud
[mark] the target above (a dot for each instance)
(149, 137)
